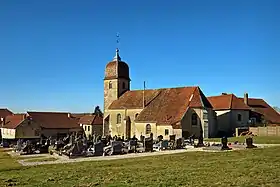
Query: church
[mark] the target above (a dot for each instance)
(181, 111)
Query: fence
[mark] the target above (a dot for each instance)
(265, 131)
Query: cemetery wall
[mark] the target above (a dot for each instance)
(266, 131)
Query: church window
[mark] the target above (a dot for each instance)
(88, 128)
(148, 129)
(123, 85)
(136, 115)
(239, 117)
(194, 119)
(119, 118)
(110, 85)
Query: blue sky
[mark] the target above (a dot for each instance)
(53, 53)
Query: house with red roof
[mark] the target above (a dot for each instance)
(180, 111)
(231, 112)
(17, 126)
(261, 113)
(55, 124)
(5, 112)
(92, 125)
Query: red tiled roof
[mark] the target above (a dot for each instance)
(5, 112)
(91, 120)
(14, 120)
(79, 115)
(164, 106)
(134, 99)
(227, 102)
(54, 120)
(260, 106)
(117, 69)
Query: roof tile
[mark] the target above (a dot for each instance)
(227, 102)
(5, 112)
(91, 120)
(14, 120)
(262, 107)
(56, 120)
(163, 106)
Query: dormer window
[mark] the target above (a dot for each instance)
(110, 85)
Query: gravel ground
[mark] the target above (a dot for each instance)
(64, 159)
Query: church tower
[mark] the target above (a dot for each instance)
(116, 83)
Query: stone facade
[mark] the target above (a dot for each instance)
(126, 116)
(116, 82)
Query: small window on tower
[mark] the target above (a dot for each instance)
(110, 85)
(123, 85)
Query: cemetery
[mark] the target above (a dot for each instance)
(190, 167)
(76, 147)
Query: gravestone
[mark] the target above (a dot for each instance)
(179, 143)
(191, 139)
(224, 144)
(164, 144)
(98, 149)
(200, 141)
(149, 143)
(249, 143)
(142, 138)
(160, 138)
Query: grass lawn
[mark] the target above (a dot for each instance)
(259, 167)
(256, 139)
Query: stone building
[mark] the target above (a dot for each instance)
(19, 126)
(55, 124)
(92, 125)
(231, 112)
(169, 111)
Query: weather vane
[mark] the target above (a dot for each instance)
(118, 40)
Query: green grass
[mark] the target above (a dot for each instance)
(256, 139)
(258, 167)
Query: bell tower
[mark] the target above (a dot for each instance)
(116, 83)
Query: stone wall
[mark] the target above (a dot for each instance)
(265, 131)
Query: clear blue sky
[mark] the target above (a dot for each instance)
(53, 53)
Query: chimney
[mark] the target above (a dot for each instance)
(246, 98)
(2, 122)
(69, 115)
(144, 102)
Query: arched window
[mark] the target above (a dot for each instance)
(110, 85)
(194, 119)
(136, 115)
(123, 85)
(239, 117)
(119, 118)
(148, 129)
